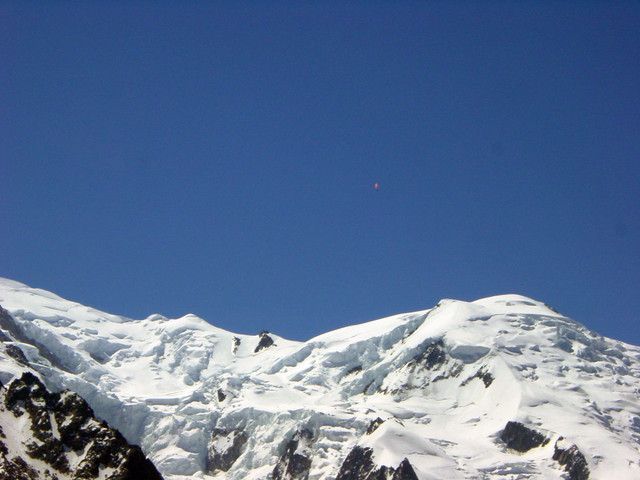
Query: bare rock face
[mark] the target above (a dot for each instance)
(431, 364)
(483, 375)
(373, 426)
(572, 459)
(63, 427)
(224, 449)
(521, 438)
(433, 356)
(405, 471)
(17, 354)
(359, 465)
(265, 341)
(17, 469)
(295, 462)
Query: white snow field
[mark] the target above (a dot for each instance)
(445, 381)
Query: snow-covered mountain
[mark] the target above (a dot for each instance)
(499, 388)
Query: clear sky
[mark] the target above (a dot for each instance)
(219, 159)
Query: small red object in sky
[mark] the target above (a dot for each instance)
(376, 186)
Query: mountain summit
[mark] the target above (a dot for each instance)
(500, 388)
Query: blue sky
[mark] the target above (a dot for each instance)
(220, 159)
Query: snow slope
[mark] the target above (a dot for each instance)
(444, 382)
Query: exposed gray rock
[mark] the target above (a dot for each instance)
(16, 468)
(572, 459)
(359, 465)
(236, 343)
(425, 367)
(373, 426)
(17, 354)
(405, 471)
(265, 341)
(76, 430)
(483, 375)
(521, 438)
(224, 449)
(431, 357)
(221, 395)
(295, 462)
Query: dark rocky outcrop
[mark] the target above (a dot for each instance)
(373, 426)
(136, 466)
(295, 462)
(62, 423)
(572, 459)
(236, 345)
(221, 395)
(426, 366)
(224, 449)
(483, 375)
(359, 465)
(521, 438)
(265, 341)
(405, 471)
(17, 469)
(431, 357)
(17, 354)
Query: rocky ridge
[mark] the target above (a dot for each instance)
(61, 439)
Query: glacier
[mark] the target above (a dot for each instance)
(436, 387)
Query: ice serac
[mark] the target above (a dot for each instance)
(496, 388)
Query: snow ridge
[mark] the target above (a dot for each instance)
(440, 387)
